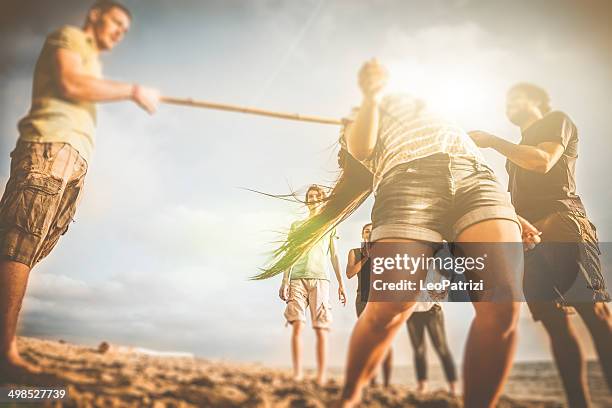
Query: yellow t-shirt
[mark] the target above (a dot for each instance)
(52, 118)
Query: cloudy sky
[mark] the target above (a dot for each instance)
(165, 237)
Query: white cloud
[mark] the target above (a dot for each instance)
(50, 287)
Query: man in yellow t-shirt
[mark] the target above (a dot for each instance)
(52, 155)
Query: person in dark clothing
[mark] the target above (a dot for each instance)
(564, 271)
(429, 316)
(358, 264)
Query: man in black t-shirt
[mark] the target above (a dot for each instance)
(546, 187)
(562, 273)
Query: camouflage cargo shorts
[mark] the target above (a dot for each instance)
(40, 199)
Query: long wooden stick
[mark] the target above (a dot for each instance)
(254, 111)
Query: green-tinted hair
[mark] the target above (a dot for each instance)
(353, 186)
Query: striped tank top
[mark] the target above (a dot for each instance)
(407, 132)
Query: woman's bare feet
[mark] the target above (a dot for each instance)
(321, 379)
(342, 403)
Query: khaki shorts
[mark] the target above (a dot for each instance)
(565, 270)
(312, 294)
(40, 199)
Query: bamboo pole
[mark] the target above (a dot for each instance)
(253, 111)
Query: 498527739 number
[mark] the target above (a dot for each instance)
(29, 394)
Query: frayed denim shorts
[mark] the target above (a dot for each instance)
(437, 197)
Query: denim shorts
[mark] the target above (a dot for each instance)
(435, 198)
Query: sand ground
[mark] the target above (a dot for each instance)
(120, 377)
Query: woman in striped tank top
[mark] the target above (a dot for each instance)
(431, 184)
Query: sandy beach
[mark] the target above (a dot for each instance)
(124, 377)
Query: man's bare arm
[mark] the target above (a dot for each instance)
(76, 84)
(283, 292)
(540, 158)
(336, 264)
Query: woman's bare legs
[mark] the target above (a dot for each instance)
(387, 368)
(372, 337)
(492, 338)
(370, 341)
(488, 353)
(491, 342)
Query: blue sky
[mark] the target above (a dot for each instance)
(165, 238)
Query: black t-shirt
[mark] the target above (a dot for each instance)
(363, 289)
(535, 195)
